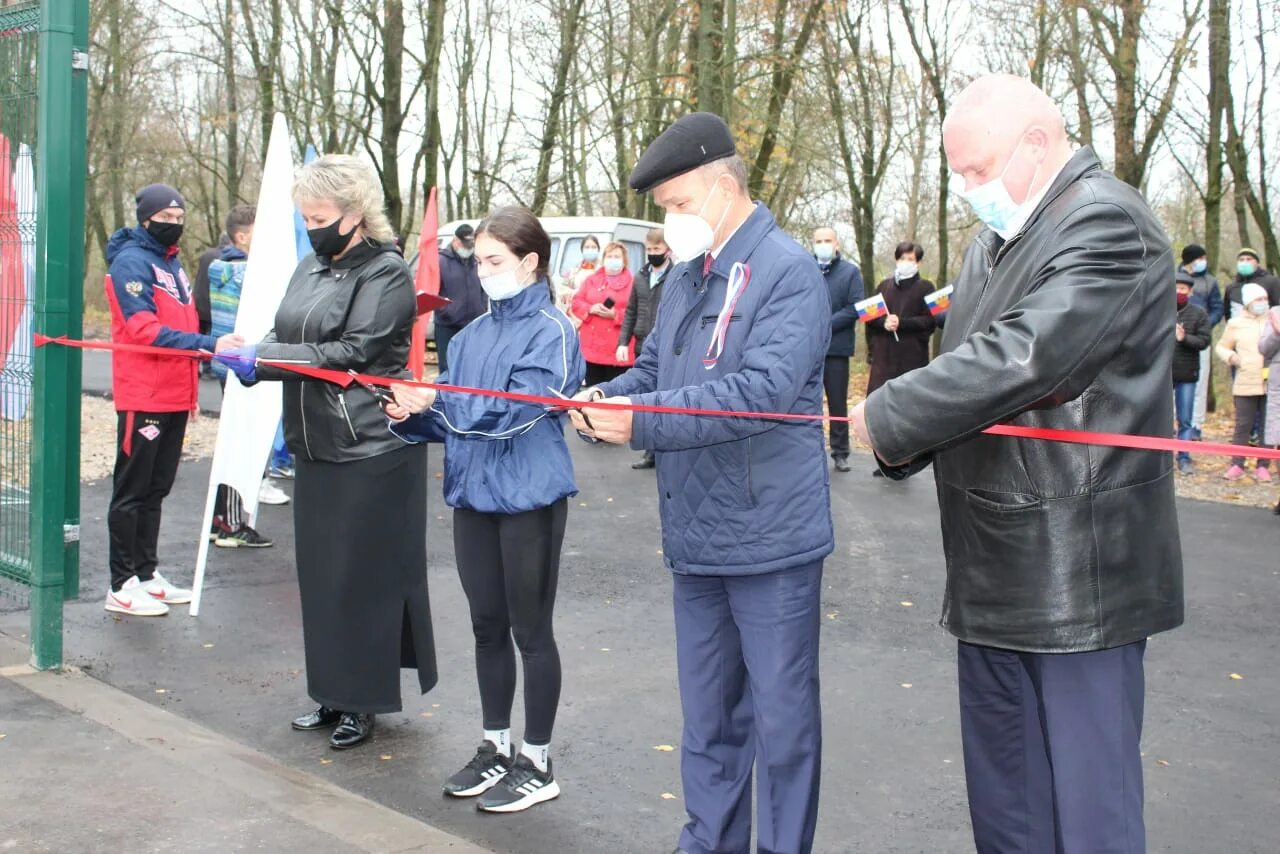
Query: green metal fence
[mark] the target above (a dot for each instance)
(43, 98)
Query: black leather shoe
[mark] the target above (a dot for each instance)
(842, 464)
(877, 473)
(319, 719)
(352, 730)
(645, 463)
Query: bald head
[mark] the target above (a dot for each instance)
(1003, 125)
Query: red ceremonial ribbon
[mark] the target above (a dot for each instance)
(344, 379)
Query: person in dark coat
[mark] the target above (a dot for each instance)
(460, 283)
(642, 308)
(1192, 334)
(1249, 270)
(508, 476)
(844, 285)
(899, 341)
(745, 504)
(1207, 294)
(360, 493)
(1062, 559)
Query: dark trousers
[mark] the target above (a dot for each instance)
(835, 379)
(509, 565)
(444, 334)
(1051, 750)
(1251, 417)
(747, 656)
(599, 374)
(148, 448)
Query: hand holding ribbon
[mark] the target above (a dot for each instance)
(241, 361)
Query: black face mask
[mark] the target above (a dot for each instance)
(328, 240)
(166, 233)
(657, 260)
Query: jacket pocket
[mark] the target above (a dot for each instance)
(708, 319)
(1002, 502)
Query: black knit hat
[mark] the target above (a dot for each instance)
(1192, 252)
(157, 197)
(694, 140)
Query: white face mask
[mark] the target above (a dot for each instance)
(992, 203)
(463, 252)
(504, 285)
(905, 270)
(612, 266)
(689, 235)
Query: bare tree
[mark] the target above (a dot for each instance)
(861, 93)
(1119, 29)
(571, 25)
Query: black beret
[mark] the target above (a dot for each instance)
(1192, 252)
(694, 140)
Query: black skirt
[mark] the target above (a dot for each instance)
(361, 545)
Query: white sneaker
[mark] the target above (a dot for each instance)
(132, 599)
(269, 493)
(161, 590)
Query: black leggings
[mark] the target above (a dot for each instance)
(509, 565)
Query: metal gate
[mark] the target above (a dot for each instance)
(43, 91)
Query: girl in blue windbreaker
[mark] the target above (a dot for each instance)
(508, 477)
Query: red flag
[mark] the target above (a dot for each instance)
(426, 282)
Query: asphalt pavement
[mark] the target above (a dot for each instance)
(892, 772)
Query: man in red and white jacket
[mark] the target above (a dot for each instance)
(152, 305)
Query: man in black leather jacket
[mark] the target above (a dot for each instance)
(1061, 558)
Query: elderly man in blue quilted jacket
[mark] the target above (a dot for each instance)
(745, 502)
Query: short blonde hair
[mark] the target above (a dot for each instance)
(626, 262)
(350, 184)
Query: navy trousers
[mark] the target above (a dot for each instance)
(747, 654)
(1051, 753)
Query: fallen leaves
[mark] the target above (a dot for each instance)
(1236, 676)
(386, 757)
(326, 761)
(1164, 762)
(208, 646)
(161, 691)
(663, 748)
(667, 796)
(906, 684)
(907, 604)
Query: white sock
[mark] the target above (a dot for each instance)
(500, 737)
(539, 754)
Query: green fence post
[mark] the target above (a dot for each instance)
(77, 170)
(59, 249)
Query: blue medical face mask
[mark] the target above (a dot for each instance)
(824, 252)
(1200, 266)
(991, 201)
(1246, 269)
(591, 255)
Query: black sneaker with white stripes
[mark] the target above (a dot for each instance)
(481, 774)
(522, 787)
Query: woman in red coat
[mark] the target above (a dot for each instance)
(600, 304)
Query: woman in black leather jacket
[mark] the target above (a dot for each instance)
(360, 500)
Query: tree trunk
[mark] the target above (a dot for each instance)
(572, 24)
(233, 104)
(1219, 64)
(784, 76)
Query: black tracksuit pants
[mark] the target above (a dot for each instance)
(148, 448)
(509, 565)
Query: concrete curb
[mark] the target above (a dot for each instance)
(356, 821)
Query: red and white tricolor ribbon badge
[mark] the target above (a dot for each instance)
(739, 276)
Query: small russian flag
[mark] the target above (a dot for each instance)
(871, 308)
(940, 300)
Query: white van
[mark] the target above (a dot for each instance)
(567, 233)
